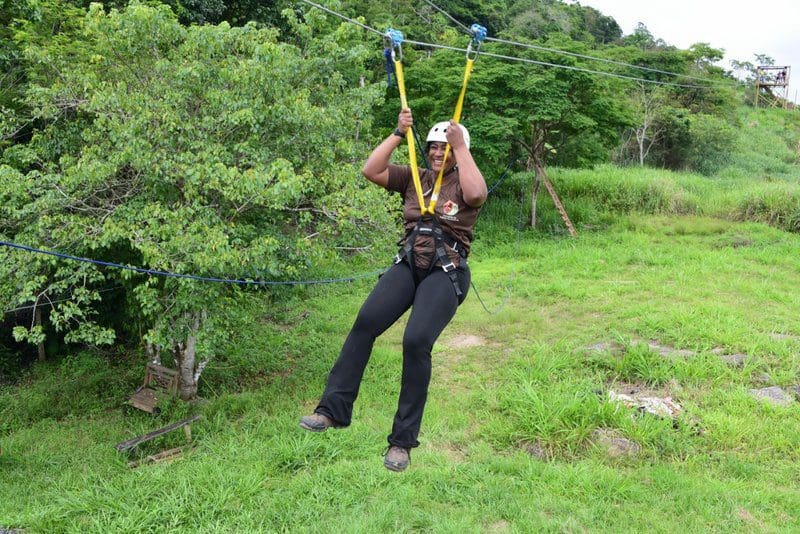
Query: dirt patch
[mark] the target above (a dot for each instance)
(536, 449)
(613, 347)
(500, 526)
(453, 452)
(464, 341)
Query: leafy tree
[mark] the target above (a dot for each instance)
(764, 60)
(637, 141)
(209, 150)
(643, 38)
(602, 28)
(743, 70)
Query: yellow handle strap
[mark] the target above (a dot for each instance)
(456, 119)
(412, 151)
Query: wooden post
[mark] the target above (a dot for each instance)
(541, 175)
(536, 183)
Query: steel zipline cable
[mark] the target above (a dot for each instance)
(575, 54)
(513, 58)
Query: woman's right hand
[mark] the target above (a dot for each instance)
(404, 120)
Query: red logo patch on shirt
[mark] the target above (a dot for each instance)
(450, 208)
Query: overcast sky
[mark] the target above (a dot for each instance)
(742, 29)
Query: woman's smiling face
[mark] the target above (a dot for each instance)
(436, 157)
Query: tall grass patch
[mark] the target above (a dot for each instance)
(606, 189)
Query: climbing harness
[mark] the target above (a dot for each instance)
(393, 40)
(430, 226)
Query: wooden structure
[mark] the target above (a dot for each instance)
(159, 383)
(132, 443)
(772, 86)
(541, 177)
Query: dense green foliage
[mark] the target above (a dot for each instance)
(203, 150)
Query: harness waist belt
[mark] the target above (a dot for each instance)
(432, 228)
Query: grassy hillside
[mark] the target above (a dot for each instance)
(508, 441)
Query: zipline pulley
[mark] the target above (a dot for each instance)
(478, 35)
(393, 39)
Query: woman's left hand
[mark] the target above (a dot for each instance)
(455, 135)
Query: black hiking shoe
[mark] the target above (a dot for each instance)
(397, 458)
(316, 422)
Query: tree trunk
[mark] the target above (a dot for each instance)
(640, 138)
(186, 356)
(38, 321)
(536, 161)
(153, 352)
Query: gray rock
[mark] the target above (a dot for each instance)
(606, 346)
(536, 450)
(773, 394)
(615, 446)
(782, 337)
(666, 350)
(734, 360)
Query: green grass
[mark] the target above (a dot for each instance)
(728, 463)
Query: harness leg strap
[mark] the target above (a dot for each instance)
(454, 278)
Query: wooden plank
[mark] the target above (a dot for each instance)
(144, 399)
(133, 442)
(169, 454)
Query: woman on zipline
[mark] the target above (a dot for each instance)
(430, 275)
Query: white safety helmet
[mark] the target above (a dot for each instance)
(438, 133)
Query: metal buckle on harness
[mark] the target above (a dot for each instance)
(449, 267)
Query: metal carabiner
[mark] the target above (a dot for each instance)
(471, 51)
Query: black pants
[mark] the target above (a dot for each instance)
(434, 304)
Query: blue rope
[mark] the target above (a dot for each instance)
(502, 176)
(516, 257)
(155, 272)
(387, 53)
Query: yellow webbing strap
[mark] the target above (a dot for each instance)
(412, 151)
(456, 118)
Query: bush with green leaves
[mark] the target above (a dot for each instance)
(712, 141)
(205, 150)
